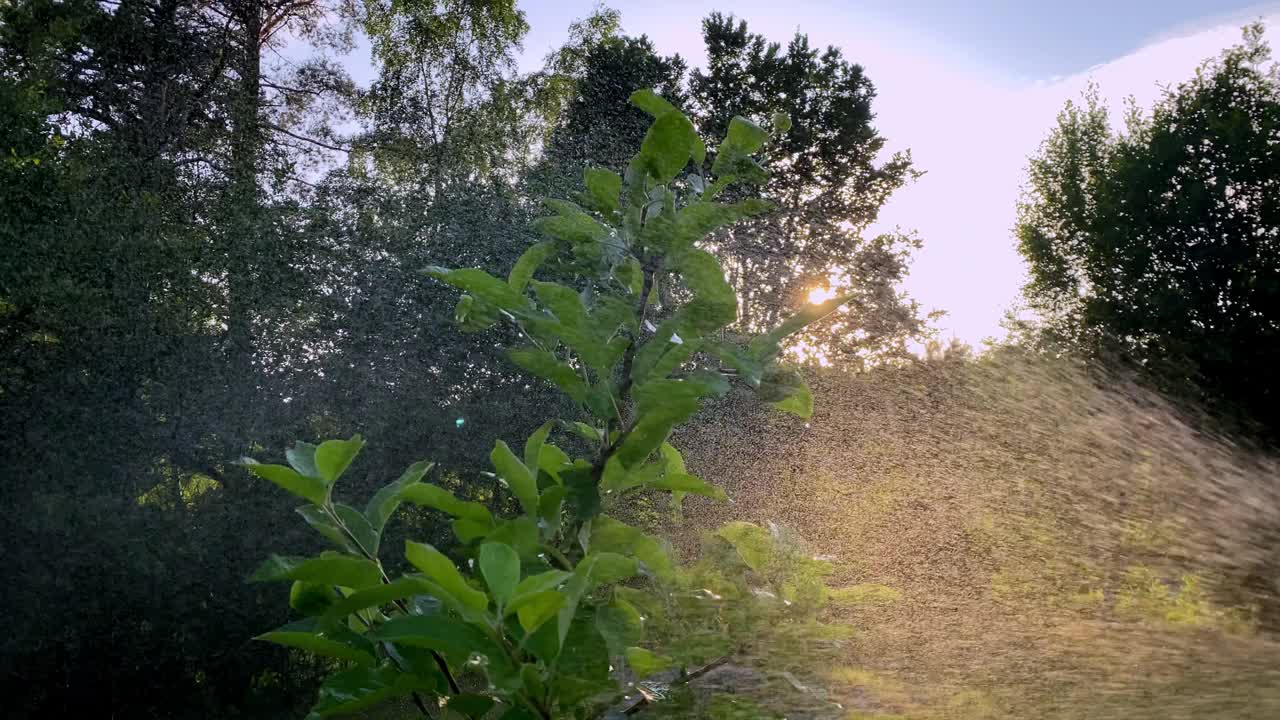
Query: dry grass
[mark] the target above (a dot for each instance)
(1063, 548)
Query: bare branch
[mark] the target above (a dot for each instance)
(314, 141)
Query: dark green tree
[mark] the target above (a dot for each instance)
(598, 127)
(828, 183)
(1158, 244)
(168, 289)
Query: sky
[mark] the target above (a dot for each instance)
(971, 88)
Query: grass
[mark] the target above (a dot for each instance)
(1015, 540)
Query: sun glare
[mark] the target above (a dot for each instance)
(821, 295)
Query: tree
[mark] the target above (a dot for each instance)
(163, 242)
(1158, 244)
(598, 127)
(827, 183)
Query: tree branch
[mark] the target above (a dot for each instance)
(314, 141)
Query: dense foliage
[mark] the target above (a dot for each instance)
(1159, 244)
(543, 622)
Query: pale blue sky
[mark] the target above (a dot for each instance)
(1033, 39)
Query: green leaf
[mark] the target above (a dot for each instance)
(302, 457)
(630, 274)
(620, 624)
(668, 146)
(437, 498)
(672, 457)
(733, 159)
(305, 635)
(714, 303)
(322, 523)
(585, 656)
(610, 535)
(745, 135)
(531, 678)
(330, 567)
(472, 315)
(680, 482)
(753, 543)
(366, 538)
(617, 479)
(385, 501)
(550, 507)
(469, 529)
(518, 477)
(354, 690)
(552, 460)
(439, 568)
(582, 430)
(607, 568)
(377, 596)
(651, 102)
(781, 122)
(583, 491)
(603, 188)
(645, 663)
(311, 598)
(521, 533)
(442, 633)
(529, 261)
(333, 456)
(308, 488)
(767, 346)
(574, 588)
(500, 566)
(572, 225)
(749, 367)
(589, 335)
(484, 286)
(533, 446)
(541, 582)
(547, 366)
(534, 609)
(662, 404)
(471, 706)
(677, 233)
(787, 391)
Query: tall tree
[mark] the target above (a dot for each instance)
(828, 184)
(1159, 244)
(598, 127)
(167, 291)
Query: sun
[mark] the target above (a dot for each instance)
(820, 295)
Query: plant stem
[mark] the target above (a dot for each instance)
(386, 580)
(558, 557)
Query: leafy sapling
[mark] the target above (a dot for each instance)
(543, 620)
